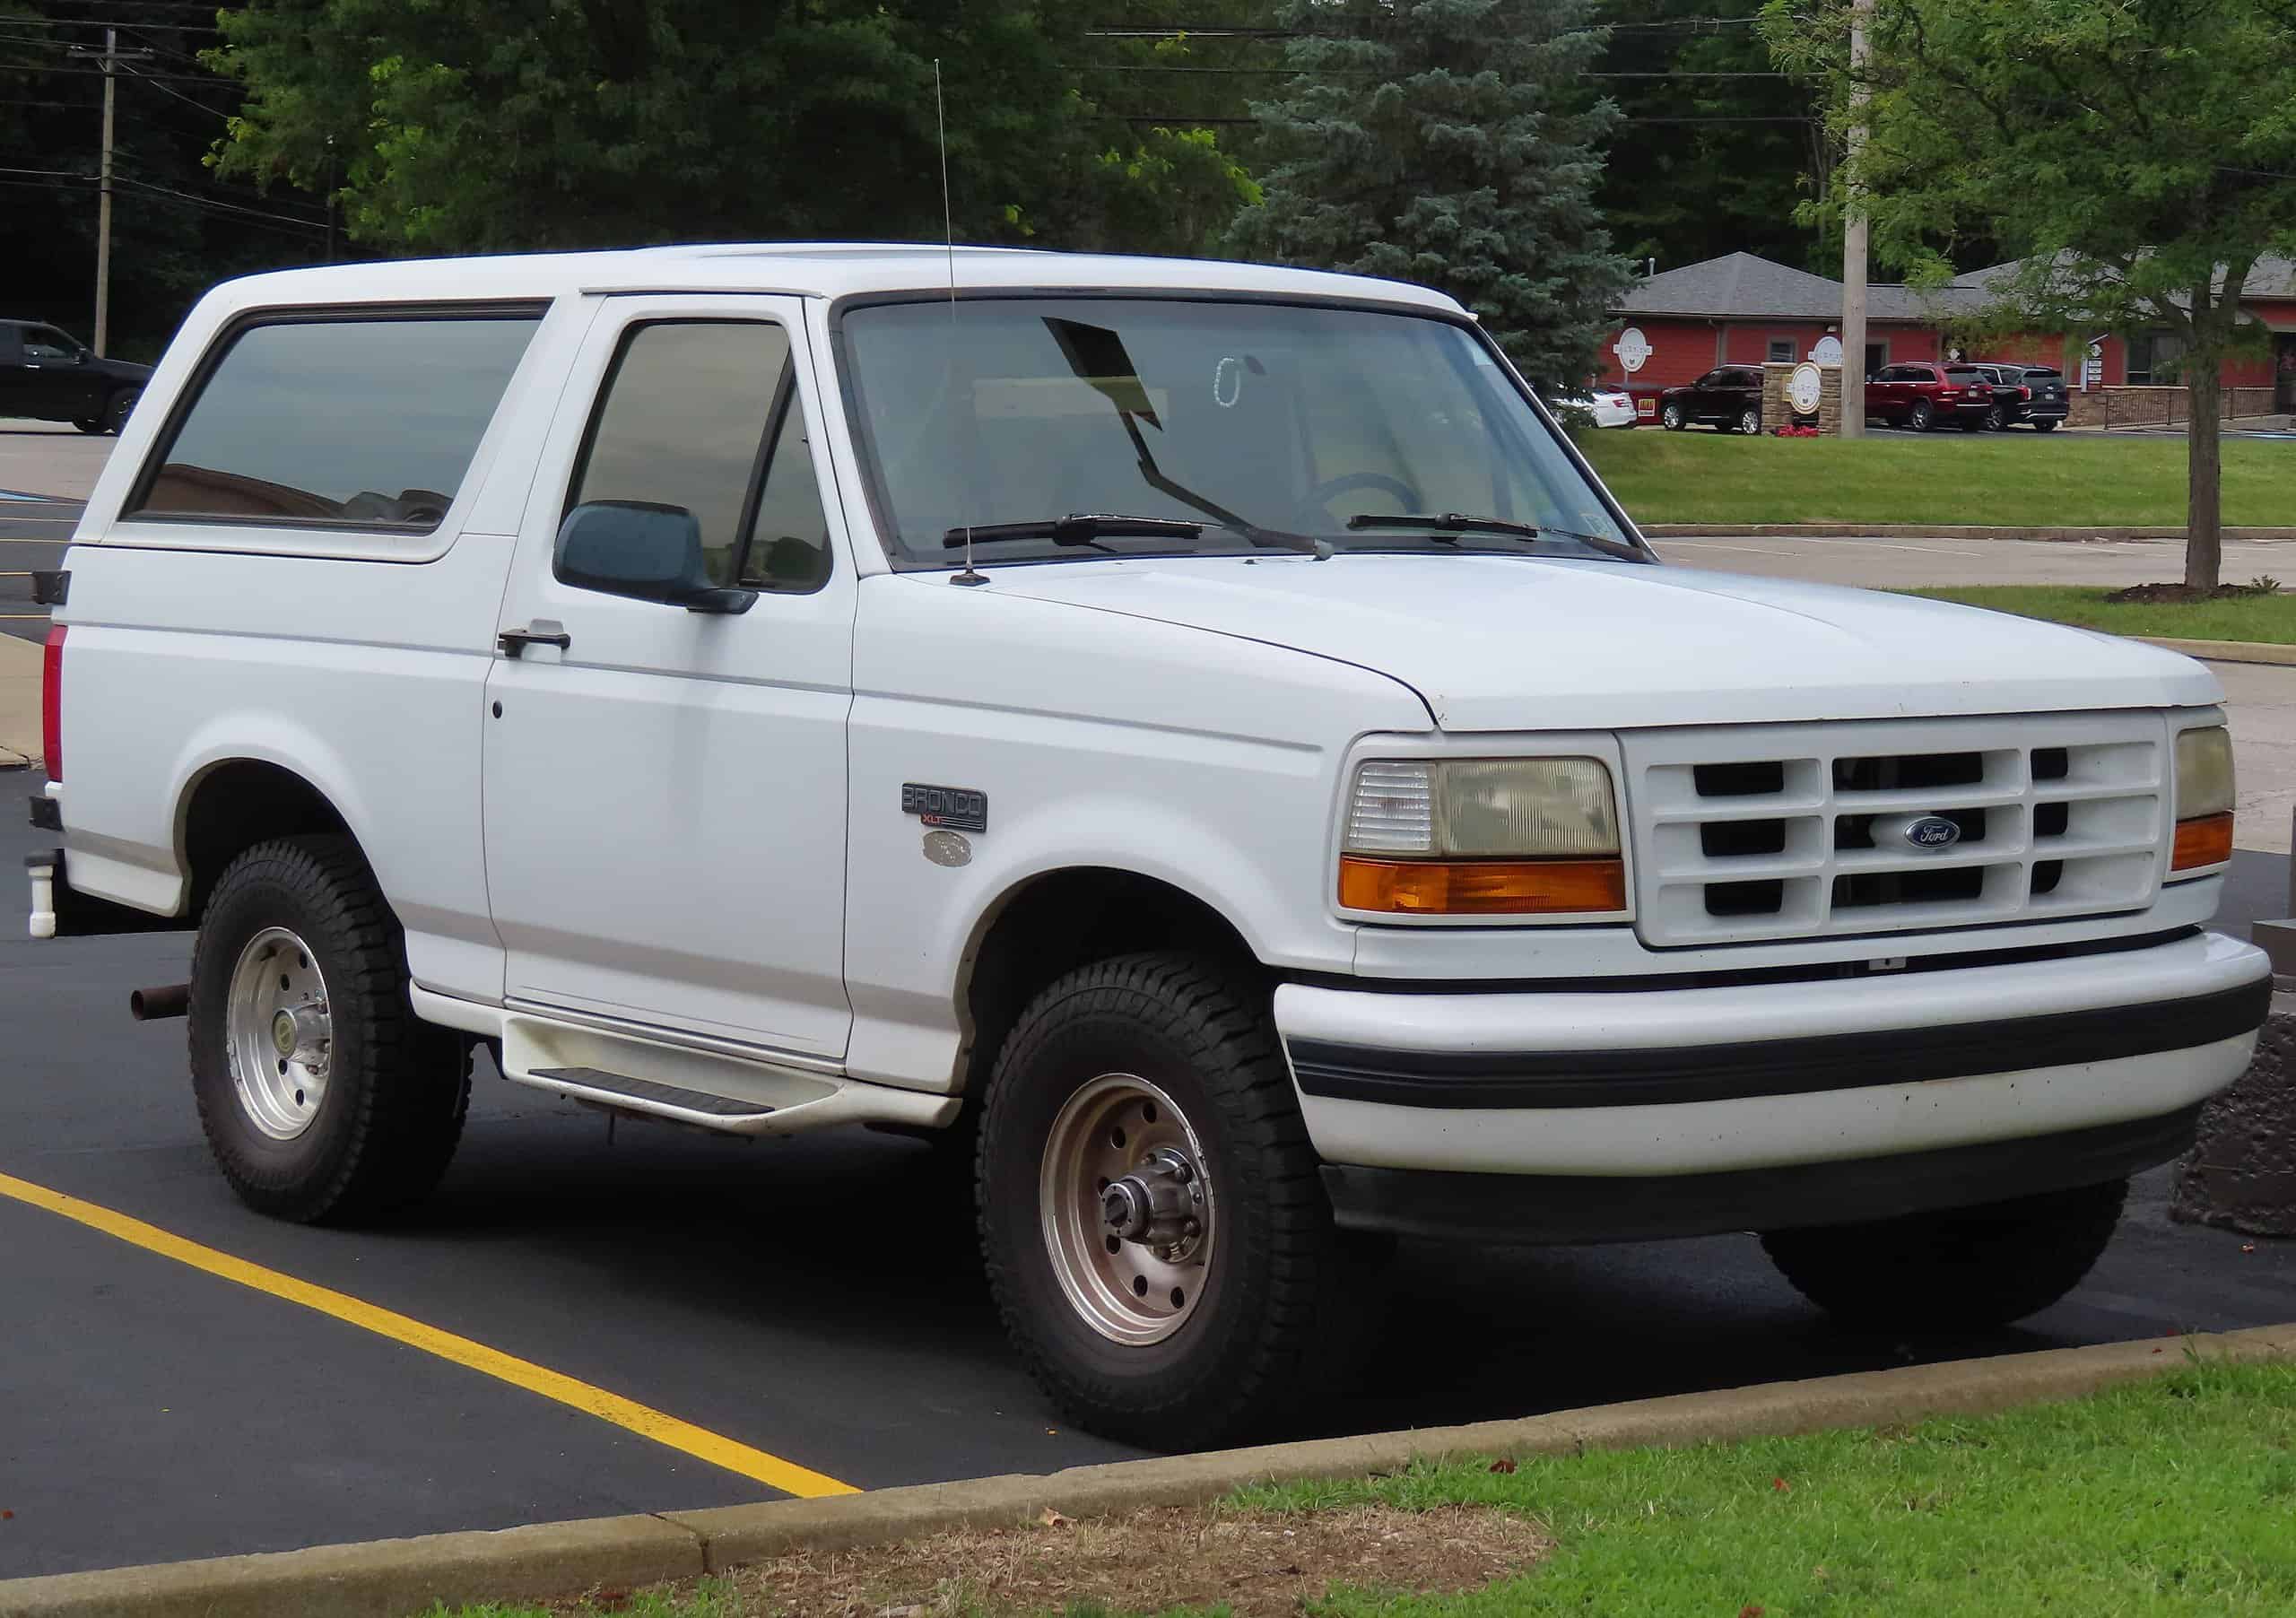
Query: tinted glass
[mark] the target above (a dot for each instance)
(2039, 374)
(789, 547)
(1290, 418)
(368, 423)
(1963, 373)
(686, 408)
(46, 342)
(1781, 350)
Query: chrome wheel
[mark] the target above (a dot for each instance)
(278, 1033)
(1750, 423)
(1127, 1209)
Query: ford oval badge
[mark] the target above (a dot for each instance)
(1932, 832)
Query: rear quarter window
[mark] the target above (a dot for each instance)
(338, 421)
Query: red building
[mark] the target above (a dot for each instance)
(1739, 310)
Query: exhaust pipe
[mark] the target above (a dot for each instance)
(158, 1005)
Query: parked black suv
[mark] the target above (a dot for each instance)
(2032, 394)
(52, 378)
(1729, 395)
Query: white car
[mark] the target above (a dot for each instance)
(1609, 406)
(1196, 733)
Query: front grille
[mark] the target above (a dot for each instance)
(1762, 833)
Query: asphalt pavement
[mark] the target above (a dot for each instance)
(33, 535)
(811, 1298)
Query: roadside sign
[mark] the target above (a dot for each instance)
(1827, 352)
(1633, 349)
(1804, 388)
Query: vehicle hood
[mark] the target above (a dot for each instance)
(1524, 643)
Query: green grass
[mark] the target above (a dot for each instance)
(2171, 1496)
(2235, 618)
(2011, 479)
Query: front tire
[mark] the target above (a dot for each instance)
(1672, 418)
(1954, 1269)
(118, 408)
(1154, 1228)
(323, 1097)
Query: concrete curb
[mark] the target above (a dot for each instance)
(1938, 531)
(388, 1578)
(2224, 651)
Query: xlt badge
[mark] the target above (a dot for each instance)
(957, 808)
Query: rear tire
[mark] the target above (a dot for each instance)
(2049, 426)
(360, 1117)
(1177, 1347)
(1921, 416)
(1954, 1269)
(1750, 421)
(1996, 420)
(91, 424)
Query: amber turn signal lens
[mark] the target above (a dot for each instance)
(2206, 840)
(1482, 887)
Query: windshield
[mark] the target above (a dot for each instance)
(1262, 422)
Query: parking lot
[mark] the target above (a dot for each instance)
(588, 1322)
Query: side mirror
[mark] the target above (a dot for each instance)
(644, 551)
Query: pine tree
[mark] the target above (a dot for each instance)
(1449, 143)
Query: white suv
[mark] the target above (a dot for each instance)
(1196, 736)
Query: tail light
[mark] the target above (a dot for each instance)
(2024, 393)
(51, 703)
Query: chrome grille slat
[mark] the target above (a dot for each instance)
(2061, 814)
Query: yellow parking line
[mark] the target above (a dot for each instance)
(719, 1451)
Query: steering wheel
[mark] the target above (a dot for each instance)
(1331, 489)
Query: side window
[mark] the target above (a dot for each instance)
(44, 344)
(697, 414)
(788, 541)
(366, 423)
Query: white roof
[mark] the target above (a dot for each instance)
(804, 269)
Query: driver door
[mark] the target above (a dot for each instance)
(665, 790)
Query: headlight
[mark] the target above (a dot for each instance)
(1482, 836)
(2204, 798)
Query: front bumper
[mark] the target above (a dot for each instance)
(1644, 1083)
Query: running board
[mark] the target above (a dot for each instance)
(708, 1090)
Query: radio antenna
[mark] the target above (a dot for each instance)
(949, 235)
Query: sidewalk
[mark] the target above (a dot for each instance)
(19, 675)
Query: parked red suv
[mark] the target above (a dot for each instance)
(1921, 394)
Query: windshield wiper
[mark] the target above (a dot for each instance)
(1076, 529)
(1449, 523)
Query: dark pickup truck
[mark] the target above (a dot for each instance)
(2034, 394)
(50, 377)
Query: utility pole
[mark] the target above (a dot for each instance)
(112, 57)
(1853, 244)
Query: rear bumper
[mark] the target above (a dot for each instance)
(1644, 1085)
(1571, 1208)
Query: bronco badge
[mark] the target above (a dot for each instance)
(954, 808)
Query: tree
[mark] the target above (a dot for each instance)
(1447, 142)
(2141, 155)
(464, 126)
(1715, 154)
(175, 232)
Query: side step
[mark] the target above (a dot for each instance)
(621, 1087)
(707, 1089)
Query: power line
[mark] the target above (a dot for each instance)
(178, 95)
(222, 208)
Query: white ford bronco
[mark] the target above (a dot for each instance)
(1194, 737)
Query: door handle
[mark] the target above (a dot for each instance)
(542, 631)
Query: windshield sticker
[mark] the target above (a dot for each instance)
(1228, 380)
